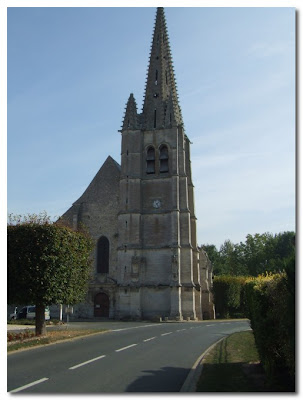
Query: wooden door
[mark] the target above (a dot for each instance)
(101, 305)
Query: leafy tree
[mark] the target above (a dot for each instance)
(213, 255)
(232, 259)
(254, 253)
(48, 263)
(260, 253)
(267, 252)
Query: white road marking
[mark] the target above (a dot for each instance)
(133, 327)
(151, 338)
(87, 362)
(29, 385)
(127, 347)
(208, 325)
(167, 333)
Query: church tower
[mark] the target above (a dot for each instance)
(157, 255)
(141, 215)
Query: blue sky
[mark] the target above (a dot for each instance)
(70, 72)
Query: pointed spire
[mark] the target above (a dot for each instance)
(161, 107)
(131, 117)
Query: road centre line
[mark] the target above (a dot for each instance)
(29, 385)
(133, 327)
(167, 333)
(127, 347)
(151, 338)
(87, 362)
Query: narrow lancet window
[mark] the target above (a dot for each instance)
(150, 160)
(155, 119)
(102, 255)
(163, 159)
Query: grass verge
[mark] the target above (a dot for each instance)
(233, 366)
(51, 337)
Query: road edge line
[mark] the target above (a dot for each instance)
(191, 380)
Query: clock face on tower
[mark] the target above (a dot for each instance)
(156, 203)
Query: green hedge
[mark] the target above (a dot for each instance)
(269, 304)
(228, 295)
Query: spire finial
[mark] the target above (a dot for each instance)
(160, 91)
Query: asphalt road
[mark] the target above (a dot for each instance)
(132, 357)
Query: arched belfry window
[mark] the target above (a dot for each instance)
(150, 160)
(102, 255)
(163, 158)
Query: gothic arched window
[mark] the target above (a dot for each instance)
(102, 255)
(150, 160)
(163, 158)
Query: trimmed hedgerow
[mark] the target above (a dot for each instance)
(228, 295)
(269, 303)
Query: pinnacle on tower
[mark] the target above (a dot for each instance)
(131, 117)
(161, 107)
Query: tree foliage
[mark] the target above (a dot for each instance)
(48, 263)
(260, 253)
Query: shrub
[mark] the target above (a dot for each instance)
(228, 295)
(26, 334)
(268, 306)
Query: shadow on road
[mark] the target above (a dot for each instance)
(167, 379)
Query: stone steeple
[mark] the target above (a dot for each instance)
(161, 106)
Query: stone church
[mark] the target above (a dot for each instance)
(147, 263)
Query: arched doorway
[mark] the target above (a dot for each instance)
(101, 305)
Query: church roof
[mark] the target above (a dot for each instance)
(103, 182)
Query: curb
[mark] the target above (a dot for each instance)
(193, 376)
